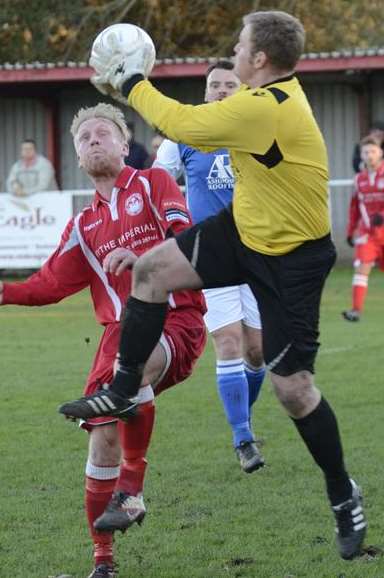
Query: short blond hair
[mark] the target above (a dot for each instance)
(101, 110)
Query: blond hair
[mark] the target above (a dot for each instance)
(101, 110)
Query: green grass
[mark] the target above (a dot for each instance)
(206, 519)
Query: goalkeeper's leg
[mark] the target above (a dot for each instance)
(155, 275)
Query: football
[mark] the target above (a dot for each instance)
(126, 39)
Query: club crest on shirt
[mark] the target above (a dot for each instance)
(380, 183)
(134, 204)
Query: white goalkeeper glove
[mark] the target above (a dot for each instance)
(102, 85)
(114, 66)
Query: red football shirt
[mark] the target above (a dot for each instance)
(145, 208)
(367, 200)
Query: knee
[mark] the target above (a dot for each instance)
(104, 446)
(253, 346)
(296, 393)
(105, 453)
(254, 355)
(149, 274)
(227, 344)
(143, 270)
(363, 268)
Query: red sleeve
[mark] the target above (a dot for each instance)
(169, 201)
(354, 214)
(66, 272)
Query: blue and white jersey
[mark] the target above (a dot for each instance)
(208, 176)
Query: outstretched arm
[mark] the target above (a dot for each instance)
(211, 125)
(66, 272)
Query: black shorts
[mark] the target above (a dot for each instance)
(287, 287)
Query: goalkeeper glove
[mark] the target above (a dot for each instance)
(101, 84)
(113, 69)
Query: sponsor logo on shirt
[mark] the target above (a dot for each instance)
(133, 237)
(173, 204)
(220, 175)
(93, 225)
(373, 197)
(134, 204)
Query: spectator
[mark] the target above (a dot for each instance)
(138, 156)
(377, 132)
(32, 173)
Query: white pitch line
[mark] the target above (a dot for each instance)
(332, 350)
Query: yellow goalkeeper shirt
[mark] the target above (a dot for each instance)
(277, 154)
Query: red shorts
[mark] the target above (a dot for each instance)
(184, 338)
(372, 250)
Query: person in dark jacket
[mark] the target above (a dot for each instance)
(138, 156)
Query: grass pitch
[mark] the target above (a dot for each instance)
(206, 519)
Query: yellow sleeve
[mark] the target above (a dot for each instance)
(246, 121)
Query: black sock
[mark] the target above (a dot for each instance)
(141, 328)
(321, 435)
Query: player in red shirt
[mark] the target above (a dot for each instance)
(365, 229)
(131, 212)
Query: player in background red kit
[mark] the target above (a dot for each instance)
(131, 212)
(365, 229)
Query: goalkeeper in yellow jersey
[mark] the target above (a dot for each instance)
(275, 237)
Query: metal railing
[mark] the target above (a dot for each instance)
(339, 198)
